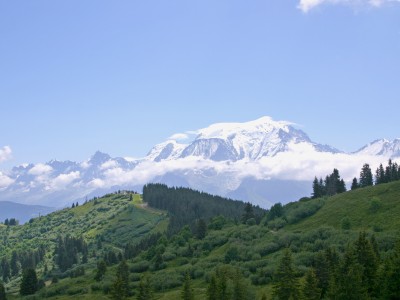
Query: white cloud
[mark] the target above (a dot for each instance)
(62, 180)
(5, 153)
(179, 136)
(40, 169)
(307, 5)
(5, 181)
(109, 165)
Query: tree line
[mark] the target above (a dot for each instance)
(185, 206)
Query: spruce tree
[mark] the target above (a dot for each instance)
(380, 175)
(286, 285)
(212, 290)
(366, 178)
(201, 229)
(239, 289)
(187, 291)
(366, 257)
(101, 270)
(120, 287)
(310, 287)
(390, 275)
(354, 184)
(322, 270)
(29, 283)
(145, 292)
(3, 295)
(248, 213)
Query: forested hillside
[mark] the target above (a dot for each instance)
(183, 244)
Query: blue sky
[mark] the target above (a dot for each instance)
(121, 76)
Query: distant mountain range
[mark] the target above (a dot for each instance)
(262, 161)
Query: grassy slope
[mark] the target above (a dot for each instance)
(259, 248)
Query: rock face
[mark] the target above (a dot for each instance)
(261, 161)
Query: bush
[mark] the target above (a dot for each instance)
(345, 223)
(374, 205)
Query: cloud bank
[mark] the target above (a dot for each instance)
(307, 5)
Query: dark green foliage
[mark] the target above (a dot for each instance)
(239, 288)
(131, 250)
(346, 283)
(200, 229)
(248, 213)
(5, 267)
(67, 250)
(332, 185)
(354, 184)
(286, 284)
(390, 275)
(322, 271)
(366, 178)
(388, 174)
(101, 270)
(185, 206)
(187, 290)
(212, 289)
(3, 295)
(310, 289)
(120, 287)
(276, 211)
(145, 291)
(368, 260)
(29, 282)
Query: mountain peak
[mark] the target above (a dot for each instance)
(99, 157)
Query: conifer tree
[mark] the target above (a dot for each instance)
(390, 276)
(201, 229)
(317, 189)
(187, 291)
(239, 289)
(120, 287)
(212, 290)
(29, 283)
(380, 175)
(322, 270)
(366, 257)
(145, 292)
(354, 184)
(310, 287)
(286, 285)
(366, 176)
(248, 213)
(101, 270)
(3, 295)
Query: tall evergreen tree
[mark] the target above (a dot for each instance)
(14, 264)
(3, 295)
(390, 275)
(101, 270)
(366, 257)
(354, 184)
(145, 292)
(380, 176)
(212, 290)
(239, 289)
(323, 272)
(120, 287)
(366, 178)
(286, 285)
(310, 287)
(201, 229)
(248, 213)
(187, 290)
(29, 283)
(318, 189)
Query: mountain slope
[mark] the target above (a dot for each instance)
(308, 227)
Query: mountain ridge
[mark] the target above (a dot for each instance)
(224, 158)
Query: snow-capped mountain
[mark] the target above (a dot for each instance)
(382, 147)
(262, 161)
(236, 141)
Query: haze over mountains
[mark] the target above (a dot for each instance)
(262, 161)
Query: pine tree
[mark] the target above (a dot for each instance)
(29, 283)
(248, 213)
(120, 287)
(354, 184)
(239, 289)
(14, 264)
(366, 176)
(390, 276)
(380, 176)
(310, 287)
(187, 291)
(366, 257)
(322, 270)
(101, 270)
(145, 292)
(212, 290)
(286, 286)
(317, 189)
(3, 295)
(201, 229)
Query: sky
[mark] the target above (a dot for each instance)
(122, 76)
